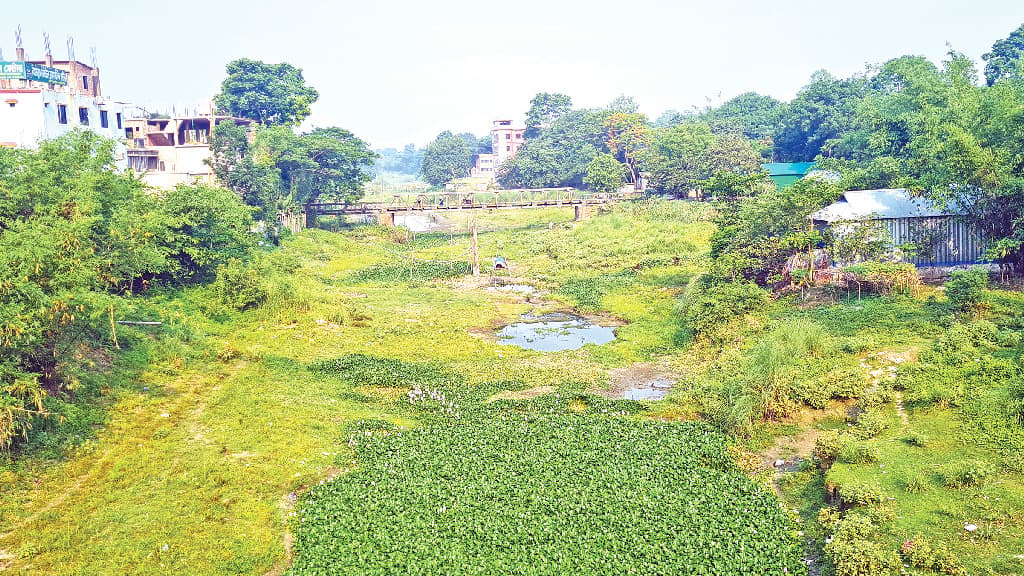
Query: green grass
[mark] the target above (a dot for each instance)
(196, 433)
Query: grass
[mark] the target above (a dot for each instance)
(196, 435)
(189, 465)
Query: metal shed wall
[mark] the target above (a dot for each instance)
(955, 243)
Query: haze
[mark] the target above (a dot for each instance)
(398, 72)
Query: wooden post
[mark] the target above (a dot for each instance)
(113, 328)
(474, 253)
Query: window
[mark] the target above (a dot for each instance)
(62, 113)
(118, 116)
(85, 82)
(508, 136)
(127, 131)
(104, 121)
(83, 116)
(508, 148)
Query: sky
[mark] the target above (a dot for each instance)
(397, 72)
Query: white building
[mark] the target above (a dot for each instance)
(46, 99)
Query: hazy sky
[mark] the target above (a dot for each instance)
(395, 72)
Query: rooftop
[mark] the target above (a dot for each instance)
(881, 204)
(788, 168)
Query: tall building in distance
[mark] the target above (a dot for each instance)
(43, 99)
(506, 138)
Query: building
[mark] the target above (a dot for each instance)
(44, 99)
(506, 138)
(786, 173)
(166, 152)
(919, 231)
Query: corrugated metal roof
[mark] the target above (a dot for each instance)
(880, 204)
(788, 168)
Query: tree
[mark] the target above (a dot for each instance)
(1004, 60)
(821, 112)
(536, 165)
(605, 174)
(271, 94)
(628, 138)
(545, 108)
(445, 159)
(687, 157)
(332, 163)
(754, 115)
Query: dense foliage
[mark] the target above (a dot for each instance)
(271, 94)
(446, 158)
(77, 239)
(530, 487)
(277, 168)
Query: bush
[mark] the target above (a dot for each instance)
(882, 277)
(718, 305)
(915, 438)
(827, 447)
(857, 453)
(966, 473)
(239, 286)
(861, 494)
(915, 483)
(966, 288)
(871, 423)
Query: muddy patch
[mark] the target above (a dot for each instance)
(643, 381)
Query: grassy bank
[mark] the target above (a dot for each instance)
(213, 434)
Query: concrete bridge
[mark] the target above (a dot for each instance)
(488, 200)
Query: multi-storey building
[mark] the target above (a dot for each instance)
(506, 138)
(166, 152)
(43, 99)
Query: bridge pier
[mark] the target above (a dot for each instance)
(582, 212)
(385, 218)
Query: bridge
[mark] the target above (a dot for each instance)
(489, 200)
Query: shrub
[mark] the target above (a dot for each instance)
(871, 423)
(827, 447)
(239, 286)
(719, 304)
(857, 453)
(915, 483)
(965, 289)
(861, 494)
(966, 473)
(882, 277)
(915, 438)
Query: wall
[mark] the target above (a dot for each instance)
(35, 117)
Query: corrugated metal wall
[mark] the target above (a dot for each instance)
(944, 240)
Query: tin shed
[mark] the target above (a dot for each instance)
(942, 235)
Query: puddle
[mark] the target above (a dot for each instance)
(522, 289)
(554, 332)
(645, 394)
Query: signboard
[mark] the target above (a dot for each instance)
(33, 72)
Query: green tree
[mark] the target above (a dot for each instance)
(445, 159)
(545, 108)
(75, 235)
(628, 138)
(271, 94)
(1004, 60)
(605, 174)
(821, 112)
(688, 156)
(754, 115)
